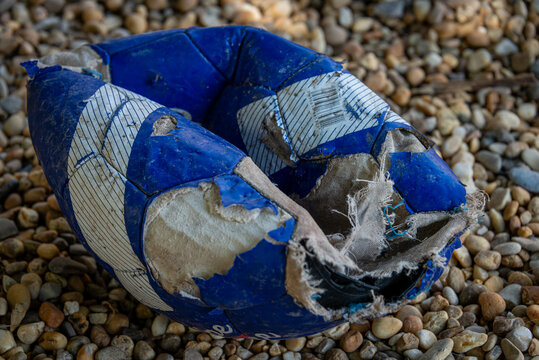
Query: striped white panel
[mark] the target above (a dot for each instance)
(250, 121)
(136, 283)
(123, 130)
(107, 127)
(97, 196)
(326, 107)
(93, 122)
(312, 111)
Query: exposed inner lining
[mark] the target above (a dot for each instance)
(356, 206)
(189, 233)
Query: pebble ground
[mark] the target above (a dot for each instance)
(462, 71)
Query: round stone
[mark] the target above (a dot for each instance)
(491, 304)
(386, 327)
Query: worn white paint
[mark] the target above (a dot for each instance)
(97, 183)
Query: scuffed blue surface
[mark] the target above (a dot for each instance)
(222, 118)
(234, 190)
(257, 276)
(418, 176)
(187, 153)
(183, 78)
(226, 40)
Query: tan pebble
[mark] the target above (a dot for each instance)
(351, 341)
(406, 342)
(412, 324)
(415, 76)
(35, 195)
(186, 5)
(175, 328)
(456, 279)
(29, 333)
(7, 342)
(478, 39)
(488, 260)
(519, 277)
(12, 248)
(136, 23)
(156, 4)
(376, 81)
(512, 261)
(52, 340)
(27, 217)
(435, 321)
(533, 349)
(401, 96)
(521, 195)
(408, 310)
(467, 340)
(476, 243)
(533, 313)
(463, 256)
(386, 327)
(510, 210)
(491, 304)
(114, 5)
(524, 231)
(295, 344)
(51, 315)
(494, 283)
(48, 251)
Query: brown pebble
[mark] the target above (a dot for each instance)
(52, 340)
(492, 304)
(488, 259)
(79, 322)
(51, 315)
(136, 23)
(401, 96)
(351, 341)
(48, 251)
(34, 195)
(412, 324)
(18, 294)
(530, 295)
(99, 335)
(53, 203)
(87, 352)
(116, 322)
(510, 210)
(415, 76)
(13, 200)
(406, 342)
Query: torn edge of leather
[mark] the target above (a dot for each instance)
(82, 60)
(177, 248)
